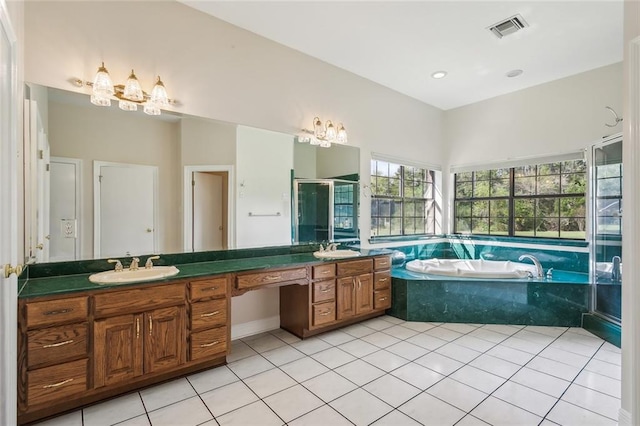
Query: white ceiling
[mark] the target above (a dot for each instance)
(400, 44)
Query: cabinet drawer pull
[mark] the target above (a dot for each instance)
(272, 277)
(150, 325)
(382, 280)
(55, 385)
(324, 314)
(210, 314)
(214, 288)
(206, 345)
(137, 328)
(325, 272)
(382, 298)
(55, 345)
(359, 283)
(326, 290)
(60, 311)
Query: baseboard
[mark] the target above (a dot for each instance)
(624, 418)
(238, 331)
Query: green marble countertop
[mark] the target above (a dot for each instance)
(63, 284)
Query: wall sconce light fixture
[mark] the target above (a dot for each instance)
(325, 135)
(130, 94)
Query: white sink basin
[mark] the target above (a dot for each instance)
(336, 254)
(127, 276)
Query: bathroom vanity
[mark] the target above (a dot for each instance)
(81, 342)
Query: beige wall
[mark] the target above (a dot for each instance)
(207, 142)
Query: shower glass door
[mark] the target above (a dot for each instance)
(607, 227)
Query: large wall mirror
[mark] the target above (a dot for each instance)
(101, 182)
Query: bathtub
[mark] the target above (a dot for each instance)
(420, 296)
(465, 268)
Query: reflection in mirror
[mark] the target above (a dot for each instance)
(249, 171)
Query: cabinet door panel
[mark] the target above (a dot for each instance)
(117, 349)
(346, 298)
(364, 293)
(164, 339)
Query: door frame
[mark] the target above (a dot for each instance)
(78, 164)
(96, 201)
(188, 204)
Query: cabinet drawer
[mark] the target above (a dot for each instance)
(382, 299)
(355, 267)
(213, 287)
(271, 277)
(323, 291)
(324, 271)
(57, 382)
(209, 313)
(381, 280)
(382, 263)
(56, 311)
(138, 300)
(324, 313)
(56, 344)
(207, 343)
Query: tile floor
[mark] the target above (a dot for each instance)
(386, 371)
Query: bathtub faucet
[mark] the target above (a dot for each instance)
(536, 262)
(616, 275)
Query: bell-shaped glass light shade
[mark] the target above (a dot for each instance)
(159, 96)
(330, 132)
(102, 83)
(318, 131)
(127, 106)
(132, 89)
(100, 100)
(315, 141)
(325, 143)
(151, 109)
(341, 137)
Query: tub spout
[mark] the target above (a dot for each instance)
(616, 274)
(536, 262)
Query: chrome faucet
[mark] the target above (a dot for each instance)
(134, 264)
(119, 267)
(332, 247)
(616, 273)
(149, 263)
(536, 262)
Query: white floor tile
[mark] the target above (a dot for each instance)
(531, 336)
(254, 414)
(400, 331)
(358, 330)
(264, 343)
(142, 420)
(212, 379)
(547, 331)
(269, 382)
(478, 379)
(359, 372)
(311, 346)
(429, 410)
(469, 420)
(575, 348)
(541, 382)
(459, 327)
(392, 390)
(190, 412)
(304, 369)
(439, 363)
(228, 398)
(611, 348)
(385, 360)
(564, 357)
(322, 416)
(417, 375)
(71, 419)
(568, 414)
(250, 366)
(114, 411)
(474, 343)
(443, 333)
(166, 393)
(293, 402)
(554, 368)
(407, 350)
(427, 342)
(526, 398)
(604, 384)
(333, 358)
(396, 418)
(239, 350)
(494, 365)
(329, 386)
(360, 407)
(512, 355)
(499, 413)
(457, 394)
(285, 336)
(336, 337)
(419, 326)
(392, 320)
(488, 335)
(514, 342)
(457, 352)
(380, 339)
(507, 330)
(595, 401)
(604, 368)
(359, 348)
(283, 355)
(377, 324)
(608, 356)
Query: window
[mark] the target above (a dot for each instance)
(402, 200)
(609, 199)
(543, 200)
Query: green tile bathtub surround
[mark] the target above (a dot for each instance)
(603, 328)
(520, 240)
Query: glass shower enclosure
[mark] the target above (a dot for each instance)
(325, 210)
(606, 247)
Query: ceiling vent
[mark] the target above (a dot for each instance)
(508, 26)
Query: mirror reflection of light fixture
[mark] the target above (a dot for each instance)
(324, 136)
(130, 94)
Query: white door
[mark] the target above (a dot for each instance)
(8, 219)
(42, 207)
(125, 209)
(207, 211)
(64, 213)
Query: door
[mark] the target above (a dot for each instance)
(165, 345)
(43, 207)
(364, 293)
(346, 297)
(125, 209)
(8, 219)
(313, 213)
(118, 349)
(64, 211)
(208, 211)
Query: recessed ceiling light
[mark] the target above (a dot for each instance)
(439, 74)
(513, 73)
